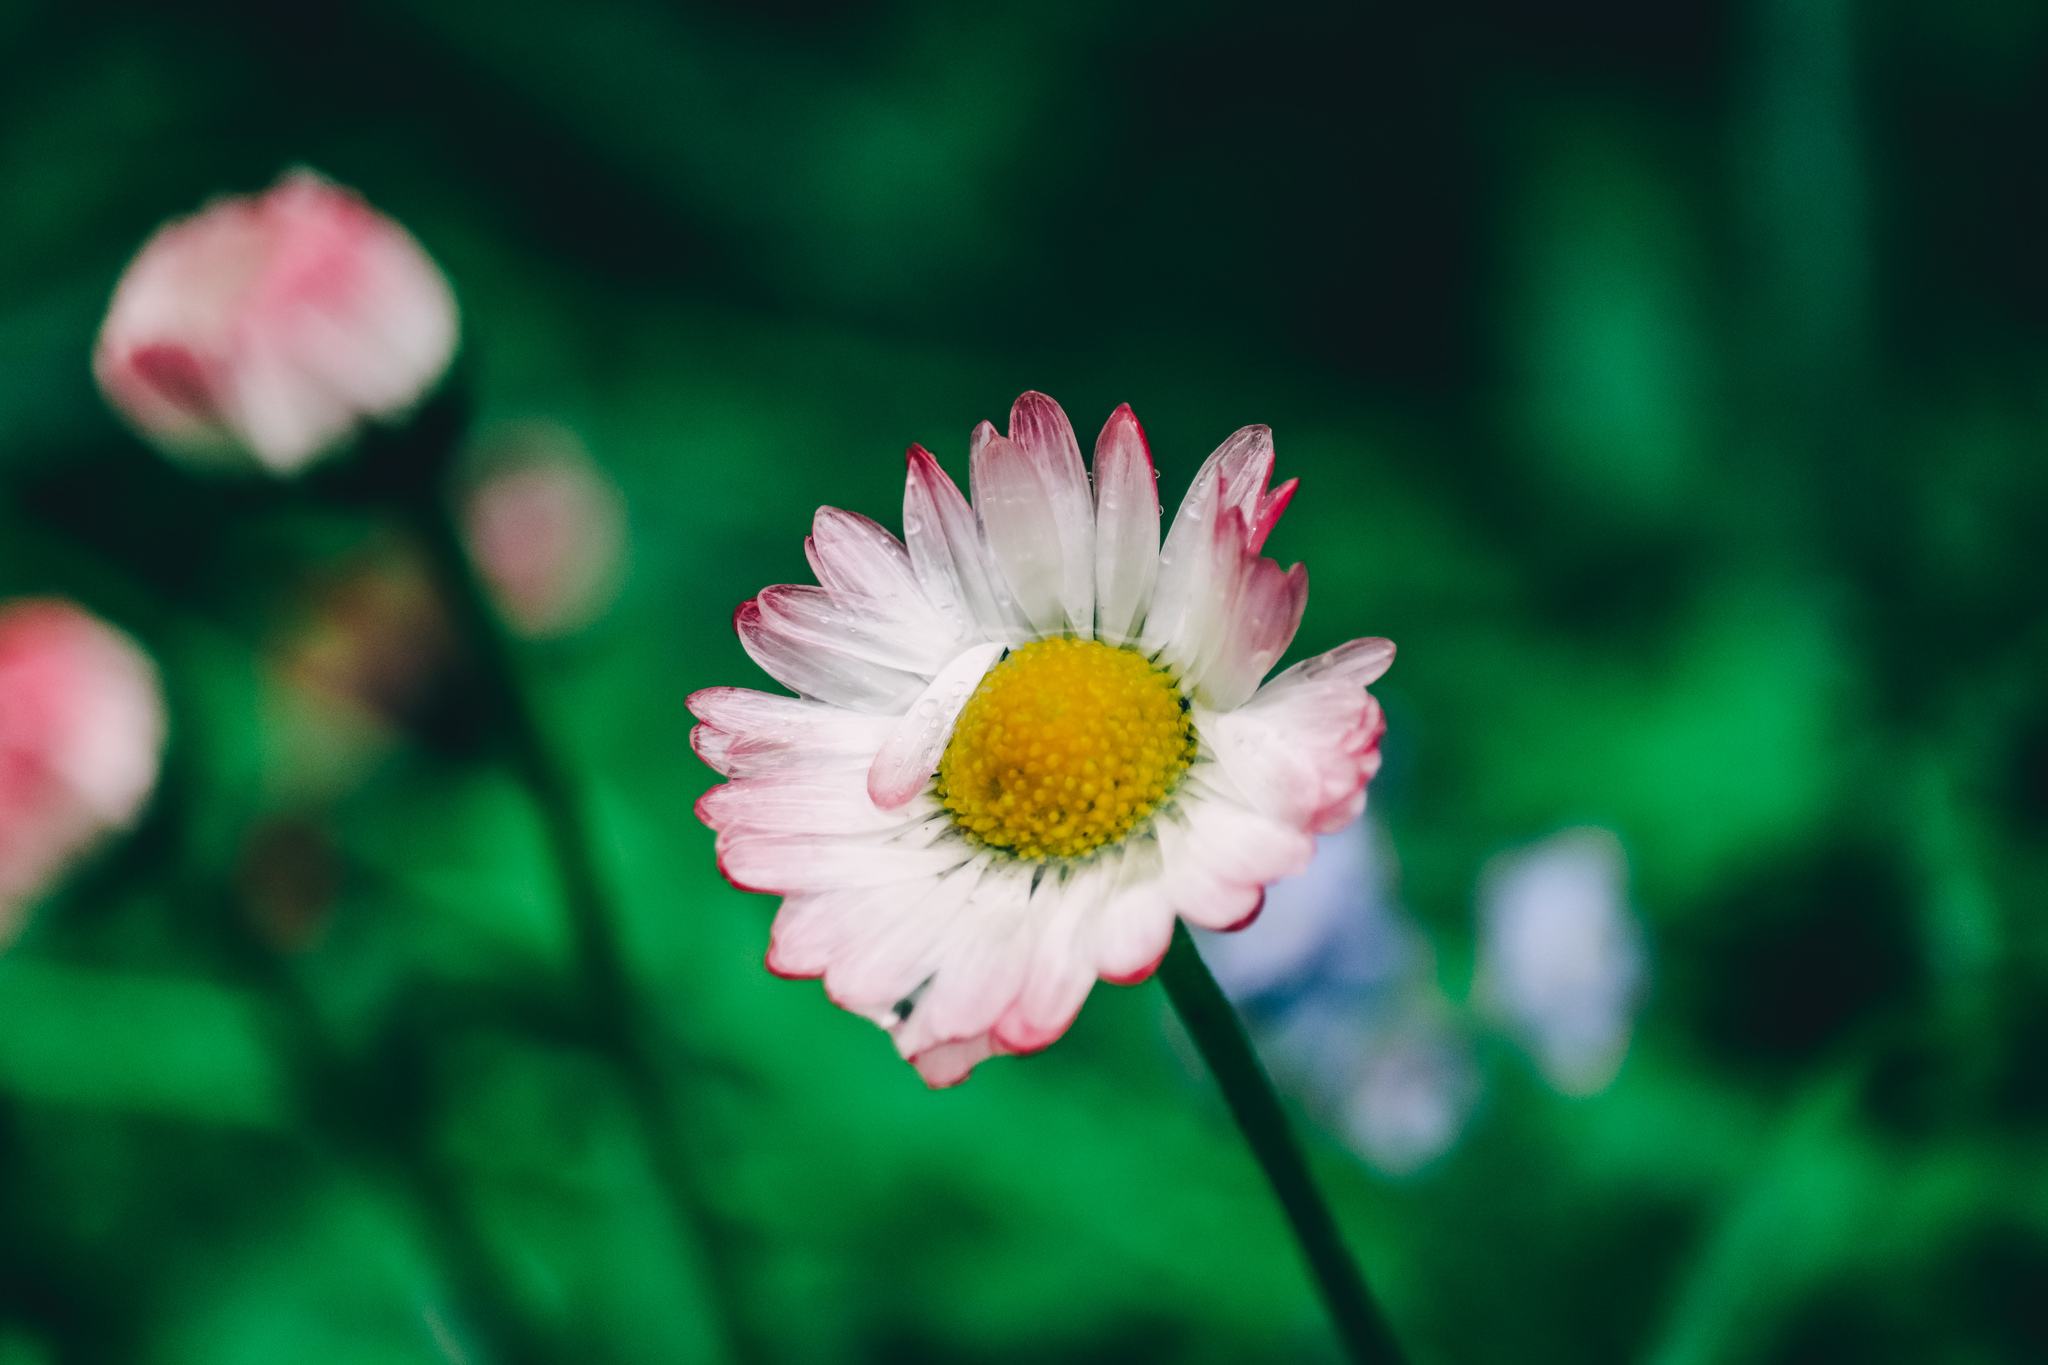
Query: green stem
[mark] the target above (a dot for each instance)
(1248, 1091)
(610, 997)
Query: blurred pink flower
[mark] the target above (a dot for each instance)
(269, 327)
(546, 529)
(81, 730)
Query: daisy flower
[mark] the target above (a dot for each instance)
(1029, 735)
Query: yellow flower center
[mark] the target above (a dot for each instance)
(1065, 747)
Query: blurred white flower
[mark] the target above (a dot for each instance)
(546, 529)
(1339, 989)
(268, 327)
(81, 732)
(1561, 956)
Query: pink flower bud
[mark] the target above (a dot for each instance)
(81, 729)
(546, 530)
(269, 327)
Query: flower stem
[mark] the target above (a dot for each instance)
(1220, 1037)
(615, 1014)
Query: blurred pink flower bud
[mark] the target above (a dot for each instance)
(269, 327)
(81, 730)
(546, 530)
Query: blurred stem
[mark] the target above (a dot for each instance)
(614, 1011)
(1248, 1091)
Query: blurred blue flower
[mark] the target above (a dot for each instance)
(1338, 986)
(1561, 958)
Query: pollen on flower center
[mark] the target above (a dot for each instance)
(1065, 747)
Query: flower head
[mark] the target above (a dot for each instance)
(269, 327)
(1029, 735)
(81, 728)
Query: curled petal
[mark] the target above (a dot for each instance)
(910, 755)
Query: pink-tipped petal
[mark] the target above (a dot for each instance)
(1359, 662)
(1225, 856)
(888, 972)
(949, 557)
(983, 433)
(1301, 753)
(945, 1065)
(821, 673)
(1186, 569)
(854, 556)
(1040, 430)
(1245, 459)
(1022, 532)
(757, 734)
(856, 626)
(786, 865)
(1268, 513)
(820, 802)
(1262, 617)
(1126, 527)
(911, 753)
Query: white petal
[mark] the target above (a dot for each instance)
(978, 961)
(911, 754)
(1302, 755)
(860, 562)
(1220, 856)
(854, 555)
(949, 558)
(751, 734)
(789, 865)
(1258, 624)
(883, 973)
(858, 626)
(1022, 532)
(1360, 662)
(816, 928)
(1186, 564)
(1126, 527)
(824, 802)
(1041, 432)
(947, 1064)
(1134, 924)
(824, 673)
(1187, 605)
(1060, 967)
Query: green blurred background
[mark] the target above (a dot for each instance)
(1670, 381)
